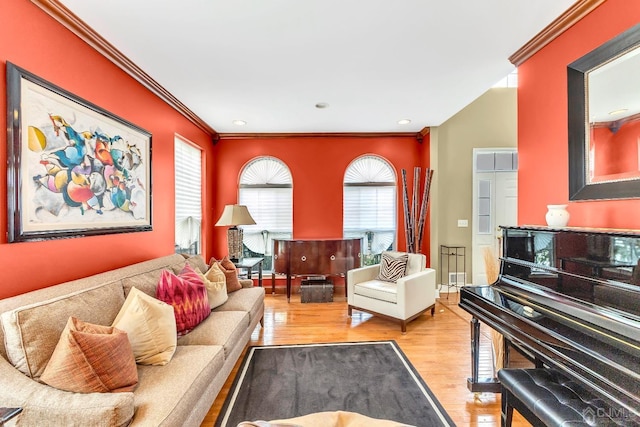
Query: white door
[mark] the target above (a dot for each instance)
(495, 203)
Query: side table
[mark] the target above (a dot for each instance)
(446, 252)
(248, 264)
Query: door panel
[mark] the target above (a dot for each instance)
(495, 203)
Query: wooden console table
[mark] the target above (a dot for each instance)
(327, 257)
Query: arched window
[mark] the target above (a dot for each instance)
(266, 188)
(370, 205)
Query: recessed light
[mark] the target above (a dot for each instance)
(239, 122)
(404, 122)
(322, 105)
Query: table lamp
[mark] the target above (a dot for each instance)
(232, 216)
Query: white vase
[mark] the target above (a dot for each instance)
(557, 216)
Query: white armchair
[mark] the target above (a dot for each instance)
(406, 299)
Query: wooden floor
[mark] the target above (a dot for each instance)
(438, 347)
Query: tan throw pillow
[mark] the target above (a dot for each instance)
(230, 274)
(216, 284)
(150, 326)
(392, 268)
(91, 358)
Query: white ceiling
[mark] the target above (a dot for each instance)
(269, 62)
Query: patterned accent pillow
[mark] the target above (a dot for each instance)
(231, 274)
(188, 296)
(91, 358)
(150, 326)
(216, 284)
(392, 268)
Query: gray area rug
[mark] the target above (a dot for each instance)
(371, 378)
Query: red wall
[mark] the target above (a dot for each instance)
(32, 40)
(542, 123)
(616, 153)
(317, 165)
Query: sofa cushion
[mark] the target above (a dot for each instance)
(197, 263)
(145, 282)
(392, 267)
(223, 328)
(250, 300)
(150, 326)
(91, 358)
(32, 331)
(377, 289)
(216, 284)
(170, 391)
(188, 296)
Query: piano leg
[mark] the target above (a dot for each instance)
(475, 383)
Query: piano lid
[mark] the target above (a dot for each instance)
(587, 265)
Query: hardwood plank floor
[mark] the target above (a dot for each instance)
(438, 347)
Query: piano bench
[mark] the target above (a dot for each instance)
(544, 397)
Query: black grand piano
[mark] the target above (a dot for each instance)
(569, 299)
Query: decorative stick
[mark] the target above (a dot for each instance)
(425, 204)
(414, 208)
(405, 200)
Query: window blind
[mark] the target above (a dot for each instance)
(369, 203)
(188, 197)
(266, 190)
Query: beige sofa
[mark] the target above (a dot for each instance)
(179, 393)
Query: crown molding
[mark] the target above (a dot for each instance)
(423, 133)
(74, 24)
(579, 10)
(232, 136)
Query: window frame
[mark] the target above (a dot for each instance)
(194, 247)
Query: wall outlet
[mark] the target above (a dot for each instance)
(463, 223)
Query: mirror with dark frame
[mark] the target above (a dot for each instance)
(604, 120)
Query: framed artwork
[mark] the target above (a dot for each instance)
(73, 169)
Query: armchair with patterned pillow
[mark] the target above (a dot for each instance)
(400, 288)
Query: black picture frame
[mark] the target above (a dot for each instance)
(74, 169)
(578, 122)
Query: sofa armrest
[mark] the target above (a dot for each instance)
(417, 291)
(41, 402)
(359, 275)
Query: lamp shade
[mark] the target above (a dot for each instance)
(233, 215)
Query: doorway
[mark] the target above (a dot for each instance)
(495, 203)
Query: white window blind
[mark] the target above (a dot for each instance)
(369, 204)
(188, 197)
(266, 190)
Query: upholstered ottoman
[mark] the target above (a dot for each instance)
(326, 419)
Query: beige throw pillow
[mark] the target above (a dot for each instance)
(216, 284)
(151, 327)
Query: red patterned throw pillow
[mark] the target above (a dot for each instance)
(188, 296)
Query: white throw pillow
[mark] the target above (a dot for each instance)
(151, 327)
(216, 284)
